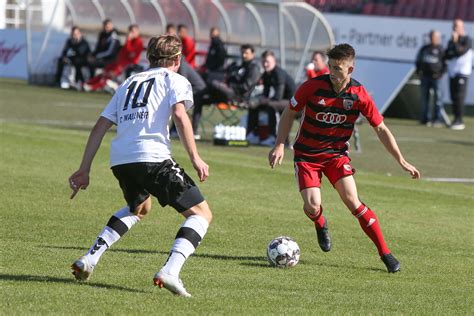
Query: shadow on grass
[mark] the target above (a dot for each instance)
(142, 251)
(255, 261)
(350, 267)
(458, 142)
(44, 278)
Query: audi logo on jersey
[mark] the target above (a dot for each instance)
(331, 118)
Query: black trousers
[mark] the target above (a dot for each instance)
(252, 121)
(458, 89)
(76, 63)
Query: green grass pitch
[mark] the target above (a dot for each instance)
(428, 225)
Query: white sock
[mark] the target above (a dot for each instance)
(118, 225)
(187, 239)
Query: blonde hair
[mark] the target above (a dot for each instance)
(163, 51)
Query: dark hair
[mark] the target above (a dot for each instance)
(169, 26)
(267, 53)
(319, 52)
(182, 26)
(73, 28)
(163, 51)
(342, 52)
(247, 46)
(132, 26)
(106, 21)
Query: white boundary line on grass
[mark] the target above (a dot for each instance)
(458, 180)
(49, 122)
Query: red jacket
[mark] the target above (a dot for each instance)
(189, 50)
(131, 52)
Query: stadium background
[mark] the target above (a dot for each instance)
(43, 130)
(386, 35)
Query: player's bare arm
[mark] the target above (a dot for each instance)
(185, 131)
(275, 156)
(80, 179)
(388, 140)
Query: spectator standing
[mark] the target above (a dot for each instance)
(430, 66)
(459, 56)
(318, 65)
(75, 54)
(129, 55)
(278, 88)
(189, 46)
(107, 47)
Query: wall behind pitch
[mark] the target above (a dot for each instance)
(393, 39)
(13, 54)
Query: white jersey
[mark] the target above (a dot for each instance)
(141, 109)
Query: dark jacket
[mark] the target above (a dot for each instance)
(76, 51)
(216, 55)
(244, 78)
(430, 61)
(282, 83)
(107, 46)
(458, 49)
(192, 75)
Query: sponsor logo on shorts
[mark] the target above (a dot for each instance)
(331, 118)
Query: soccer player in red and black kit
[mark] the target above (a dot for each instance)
(331, 104)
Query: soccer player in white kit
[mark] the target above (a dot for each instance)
(140, 158)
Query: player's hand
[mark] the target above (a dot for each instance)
(78, 180)
(415, 174)
(275, 156)
(202, 168)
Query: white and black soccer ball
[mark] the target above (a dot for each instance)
(283, 252)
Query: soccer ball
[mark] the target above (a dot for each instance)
(283, 252)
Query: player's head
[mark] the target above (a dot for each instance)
(268, 60)
(182, 30)
(435, 37)
(319, 60)
(107, 25)
(170, 29)
(76, 33)
(247, 52)
(133, 31)
(214, 32)
(458, 26)
(164, 51)
(341, 63)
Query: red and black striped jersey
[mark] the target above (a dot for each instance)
(329, 117)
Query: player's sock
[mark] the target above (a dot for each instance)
(370, 225)
(117, 226)
(187, 239)
(317, 217)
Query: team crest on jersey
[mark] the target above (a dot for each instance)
(347, 103)
(348, 167)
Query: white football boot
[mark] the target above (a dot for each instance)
(82, 269)
(171, 283)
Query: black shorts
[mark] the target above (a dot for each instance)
(164, 180)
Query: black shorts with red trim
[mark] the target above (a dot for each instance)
(164, 180)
